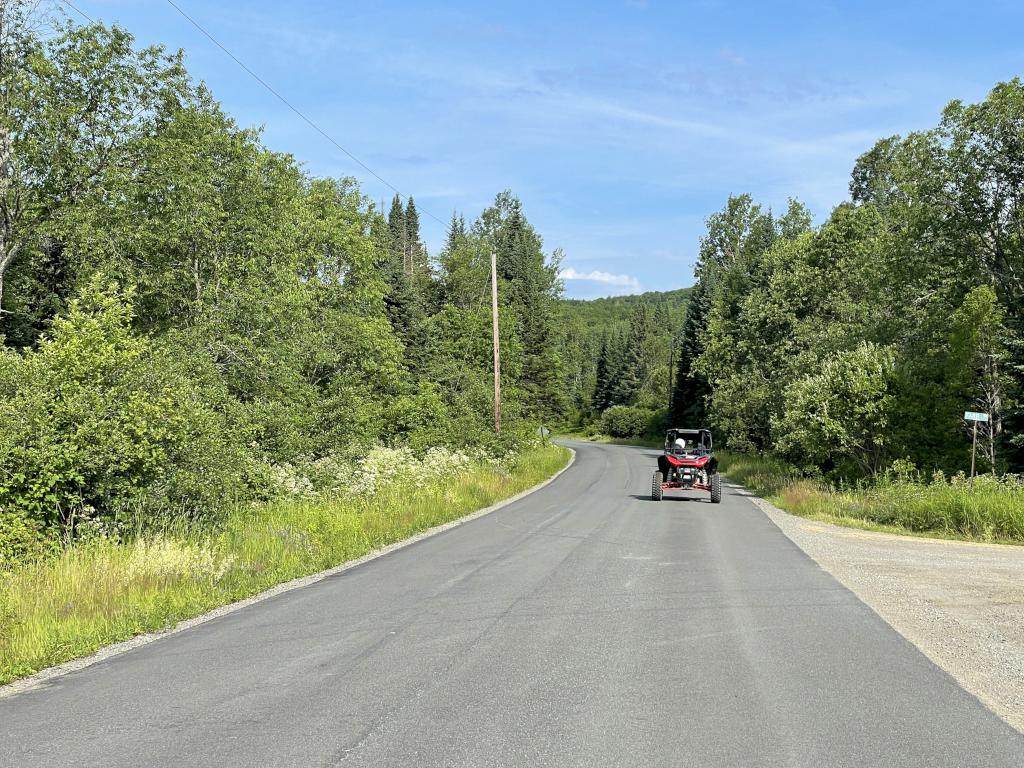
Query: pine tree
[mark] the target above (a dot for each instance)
(414, 262)
(397, 230)
(689, 395)
(634, 364)
(616, 363)
(404, 298)
(530, 287)
(464, 269)
(602, 391)
(661, 317)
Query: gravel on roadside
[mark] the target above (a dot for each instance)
(960, 603)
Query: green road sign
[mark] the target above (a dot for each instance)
(972, 416)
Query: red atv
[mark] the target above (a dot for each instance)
(687, 465)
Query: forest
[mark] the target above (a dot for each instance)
(859, 344)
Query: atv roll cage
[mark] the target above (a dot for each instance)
(698, 439)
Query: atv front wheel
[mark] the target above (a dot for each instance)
(716, 488)
(656, 490)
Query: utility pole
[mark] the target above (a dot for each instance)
(497, 352)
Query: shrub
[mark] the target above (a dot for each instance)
(843, 413)
(98, 420)
(20, 538)
(624, 421)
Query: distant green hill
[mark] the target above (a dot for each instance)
(616, 309)
(588, 326)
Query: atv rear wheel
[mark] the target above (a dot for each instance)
(656, 490)
(716, 488)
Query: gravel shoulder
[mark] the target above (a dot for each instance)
(960, 603)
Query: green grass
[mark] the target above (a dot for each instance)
(106, 591)
(988, 509)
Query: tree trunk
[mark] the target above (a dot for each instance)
(7, 247)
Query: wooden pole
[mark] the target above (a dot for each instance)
(497, 352)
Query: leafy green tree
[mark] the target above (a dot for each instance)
(624, 421)
(732, 251)
(985, 151)
(464, 264)
(842, 413)
(978, 344)
(82, 76)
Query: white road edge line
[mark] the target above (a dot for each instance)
(116, 649)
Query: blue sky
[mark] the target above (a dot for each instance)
(621, 125)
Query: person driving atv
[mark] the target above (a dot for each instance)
(680, 445)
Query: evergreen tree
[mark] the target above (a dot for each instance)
(616, 364)
(399, 237)
(662, 318)
(633, 372)
(530, 288)
(464, 268)
(405, 296)
(414, 257)
(690, 391)
(602, 391)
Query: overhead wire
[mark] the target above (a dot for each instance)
(312, 124)
(78, 10)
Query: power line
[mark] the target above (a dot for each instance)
(281, 98)
(78, 10)
(293, 108)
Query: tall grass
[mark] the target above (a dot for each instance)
(108, 590)
(985, 509)
(764, 475)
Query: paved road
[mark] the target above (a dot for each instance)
(581, 626)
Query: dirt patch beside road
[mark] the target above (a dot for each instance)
(961, 603)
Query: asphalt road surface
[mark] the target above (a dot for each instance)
(581, 626)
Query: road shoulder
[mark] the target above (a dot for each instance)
(960, 603)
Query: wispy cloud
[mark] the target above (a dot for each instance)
(730, 56)
(605, 278)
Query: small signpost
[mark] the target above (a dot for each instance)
(975, 417)
(542, 433)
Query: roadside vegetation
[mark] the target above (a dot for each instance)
(217, 371)
(855, 347)
(179, 329)
(836, 361)
(987, 508)
(117, 581)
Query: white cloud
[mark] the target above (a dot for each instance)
(606, 278)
